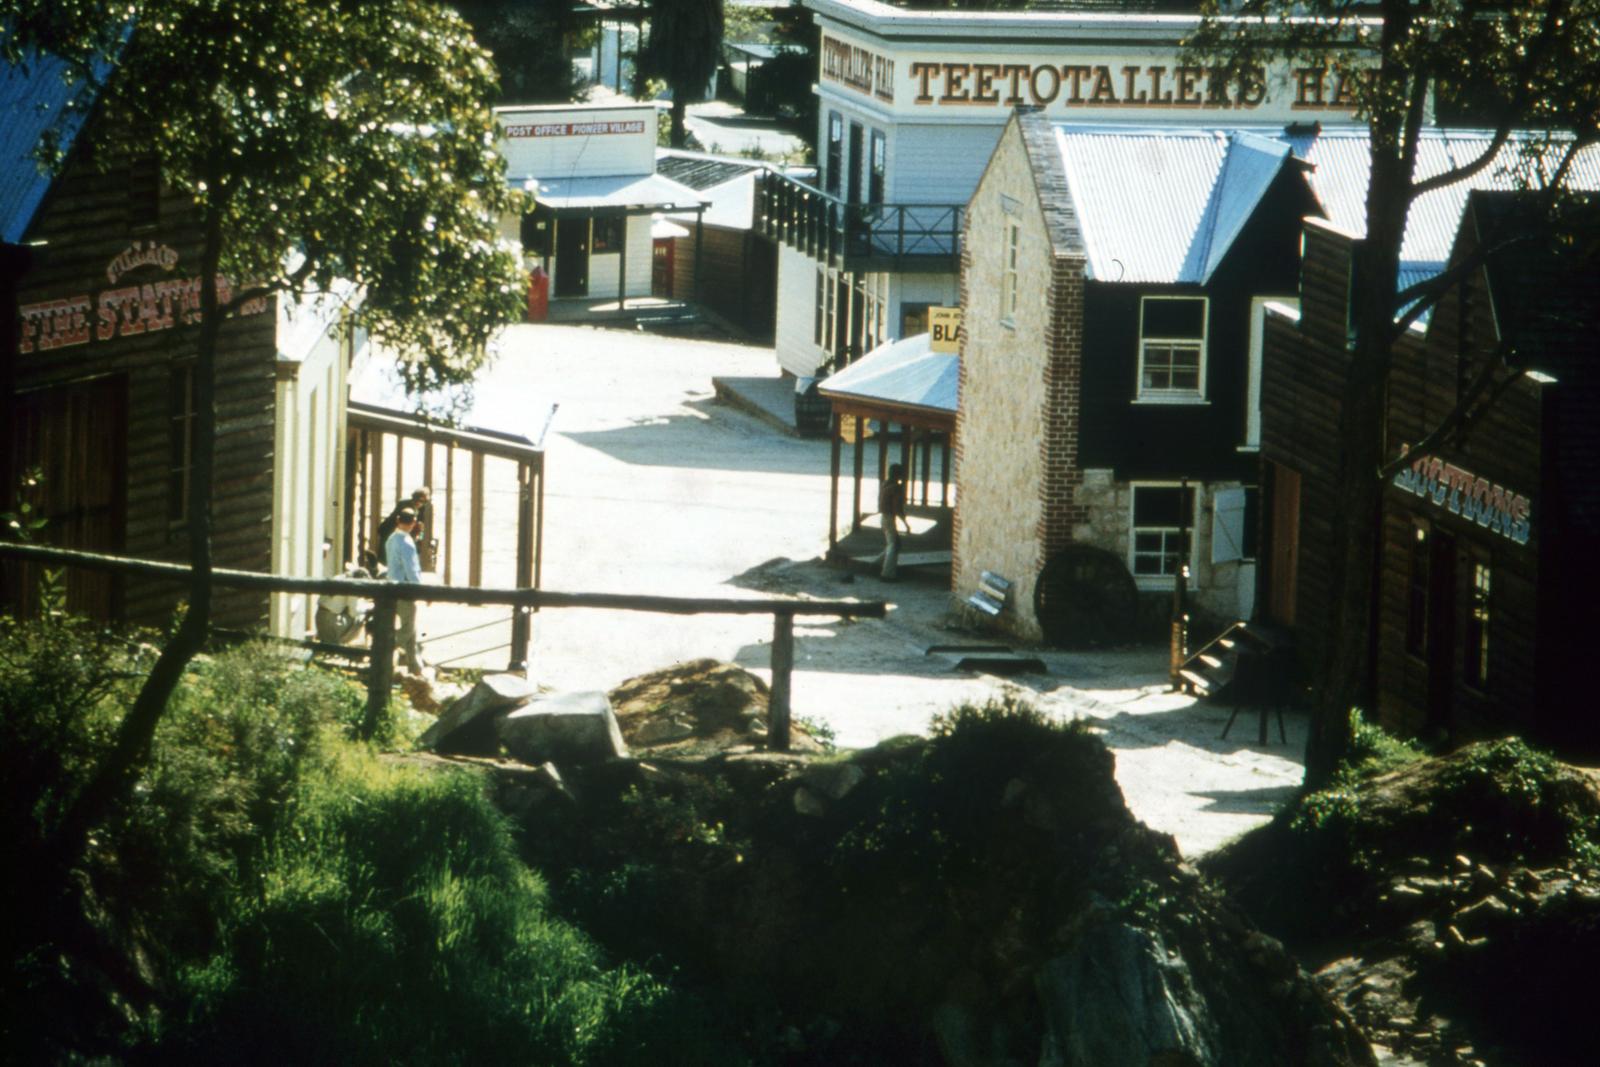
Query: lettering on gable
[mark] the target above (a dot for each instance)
(124, 311)
(1110, 83)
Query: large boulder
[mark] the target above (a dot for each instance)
(467, 726)
(570, 729)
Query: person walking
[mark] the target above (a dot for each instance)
(892, 510)
(401, 553)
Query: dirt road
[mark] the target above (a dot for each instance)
(653, 487)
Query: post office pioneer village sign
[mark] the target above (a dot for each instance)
(122, 309)
(1140, 79)
(1460, 492)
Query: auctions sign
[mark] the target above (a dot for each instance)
(1474, 498)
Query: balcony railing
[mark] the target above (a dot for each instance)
(922, 238)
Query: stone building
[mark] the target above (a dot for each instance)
(1113, 281)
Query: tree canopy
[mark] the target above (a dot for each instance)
(1529, 73)
(684, 48)
(316, 140)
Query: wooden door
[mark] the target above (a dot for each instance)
(1285, 552)
(661, 267)
(1441, 650)
(75, 435)
(572, 257)
(857, 161)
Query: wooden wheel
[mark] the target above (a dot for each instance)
(1085, 597)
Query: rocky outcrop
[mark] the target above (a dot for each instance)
(466, 726)
(981, 897)
(569, 729)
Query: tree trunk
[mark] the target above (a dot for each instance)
(1345, 678)
(680, 110)
(116, 775)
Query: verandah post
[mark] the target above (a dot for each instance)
(380, 673)
(782, 669)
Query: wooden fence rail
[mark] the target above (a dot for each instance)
(384, 595)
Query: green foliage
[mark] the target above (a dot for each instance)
(326, 141)
(683, 49)
(928, 815)
(25, 521)
(819, 730)
(290, 897)
(1374, 750)
(395, 924)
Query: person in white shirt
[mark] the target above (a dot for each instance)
(401, 553)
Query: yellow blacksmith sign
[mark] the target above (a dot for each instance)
(944, 329)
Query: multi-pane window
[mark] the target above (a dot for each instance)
(1008, 271)
(1477, 645)
(1417, 593)
(1172, 347)
(1163, 517)
(608, 233)
(180, 435)
(880, 152)
(835, 152)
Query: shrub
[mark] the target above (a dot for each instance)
(395, 923)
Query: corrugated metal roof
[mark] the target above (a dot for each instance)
(626, 190)
(1164, 205)
(905, 373)
(701, 172)
(36, 97)
(1342, 159)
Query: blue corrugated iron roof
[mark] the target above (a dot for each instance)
(1164, 205)
(905, 373)
(38, 97)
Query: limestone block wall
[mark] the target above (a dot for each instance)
(1105, 521)
(1016, 432)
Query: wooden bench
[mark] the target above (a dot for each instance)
(993, 592)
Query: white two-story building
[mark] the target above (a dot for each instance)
(911, 104)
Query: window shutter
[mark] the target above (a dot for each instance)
(1227, 525)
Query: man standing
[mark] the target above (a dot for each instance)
(401, 555)
(892, 510)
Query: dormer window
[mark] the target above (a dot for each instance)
(1172, 348)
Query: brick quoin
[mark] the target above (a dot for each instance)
(1058, 438)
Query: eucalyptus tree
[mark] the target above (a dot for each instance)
(1528, 72)
(317, 140)
(683, 48)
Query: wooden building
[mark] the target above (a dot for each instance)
(590, 172)
(1483, 604)
(1113, 286)
(98, 300)
(910, 106)
(724, 264)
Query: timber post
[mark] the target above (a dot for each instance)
(380, 670)
(782, 671)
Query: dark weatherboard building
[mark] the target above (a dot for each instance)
(1483, 609)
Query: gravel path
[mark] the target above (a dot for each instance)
(653, 487)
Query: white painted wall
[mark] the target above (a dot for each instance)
(308, 479)
(577, 141)
(798, 352)
(603, 267)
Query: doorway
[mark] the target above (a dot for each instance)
(76, 436)
(572, 256)
(1284, 556)
(857, 160)
(1441, 628)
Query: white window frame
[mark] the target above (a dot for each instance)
(1174, 396)
(1160, 581)
(1010, 253)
